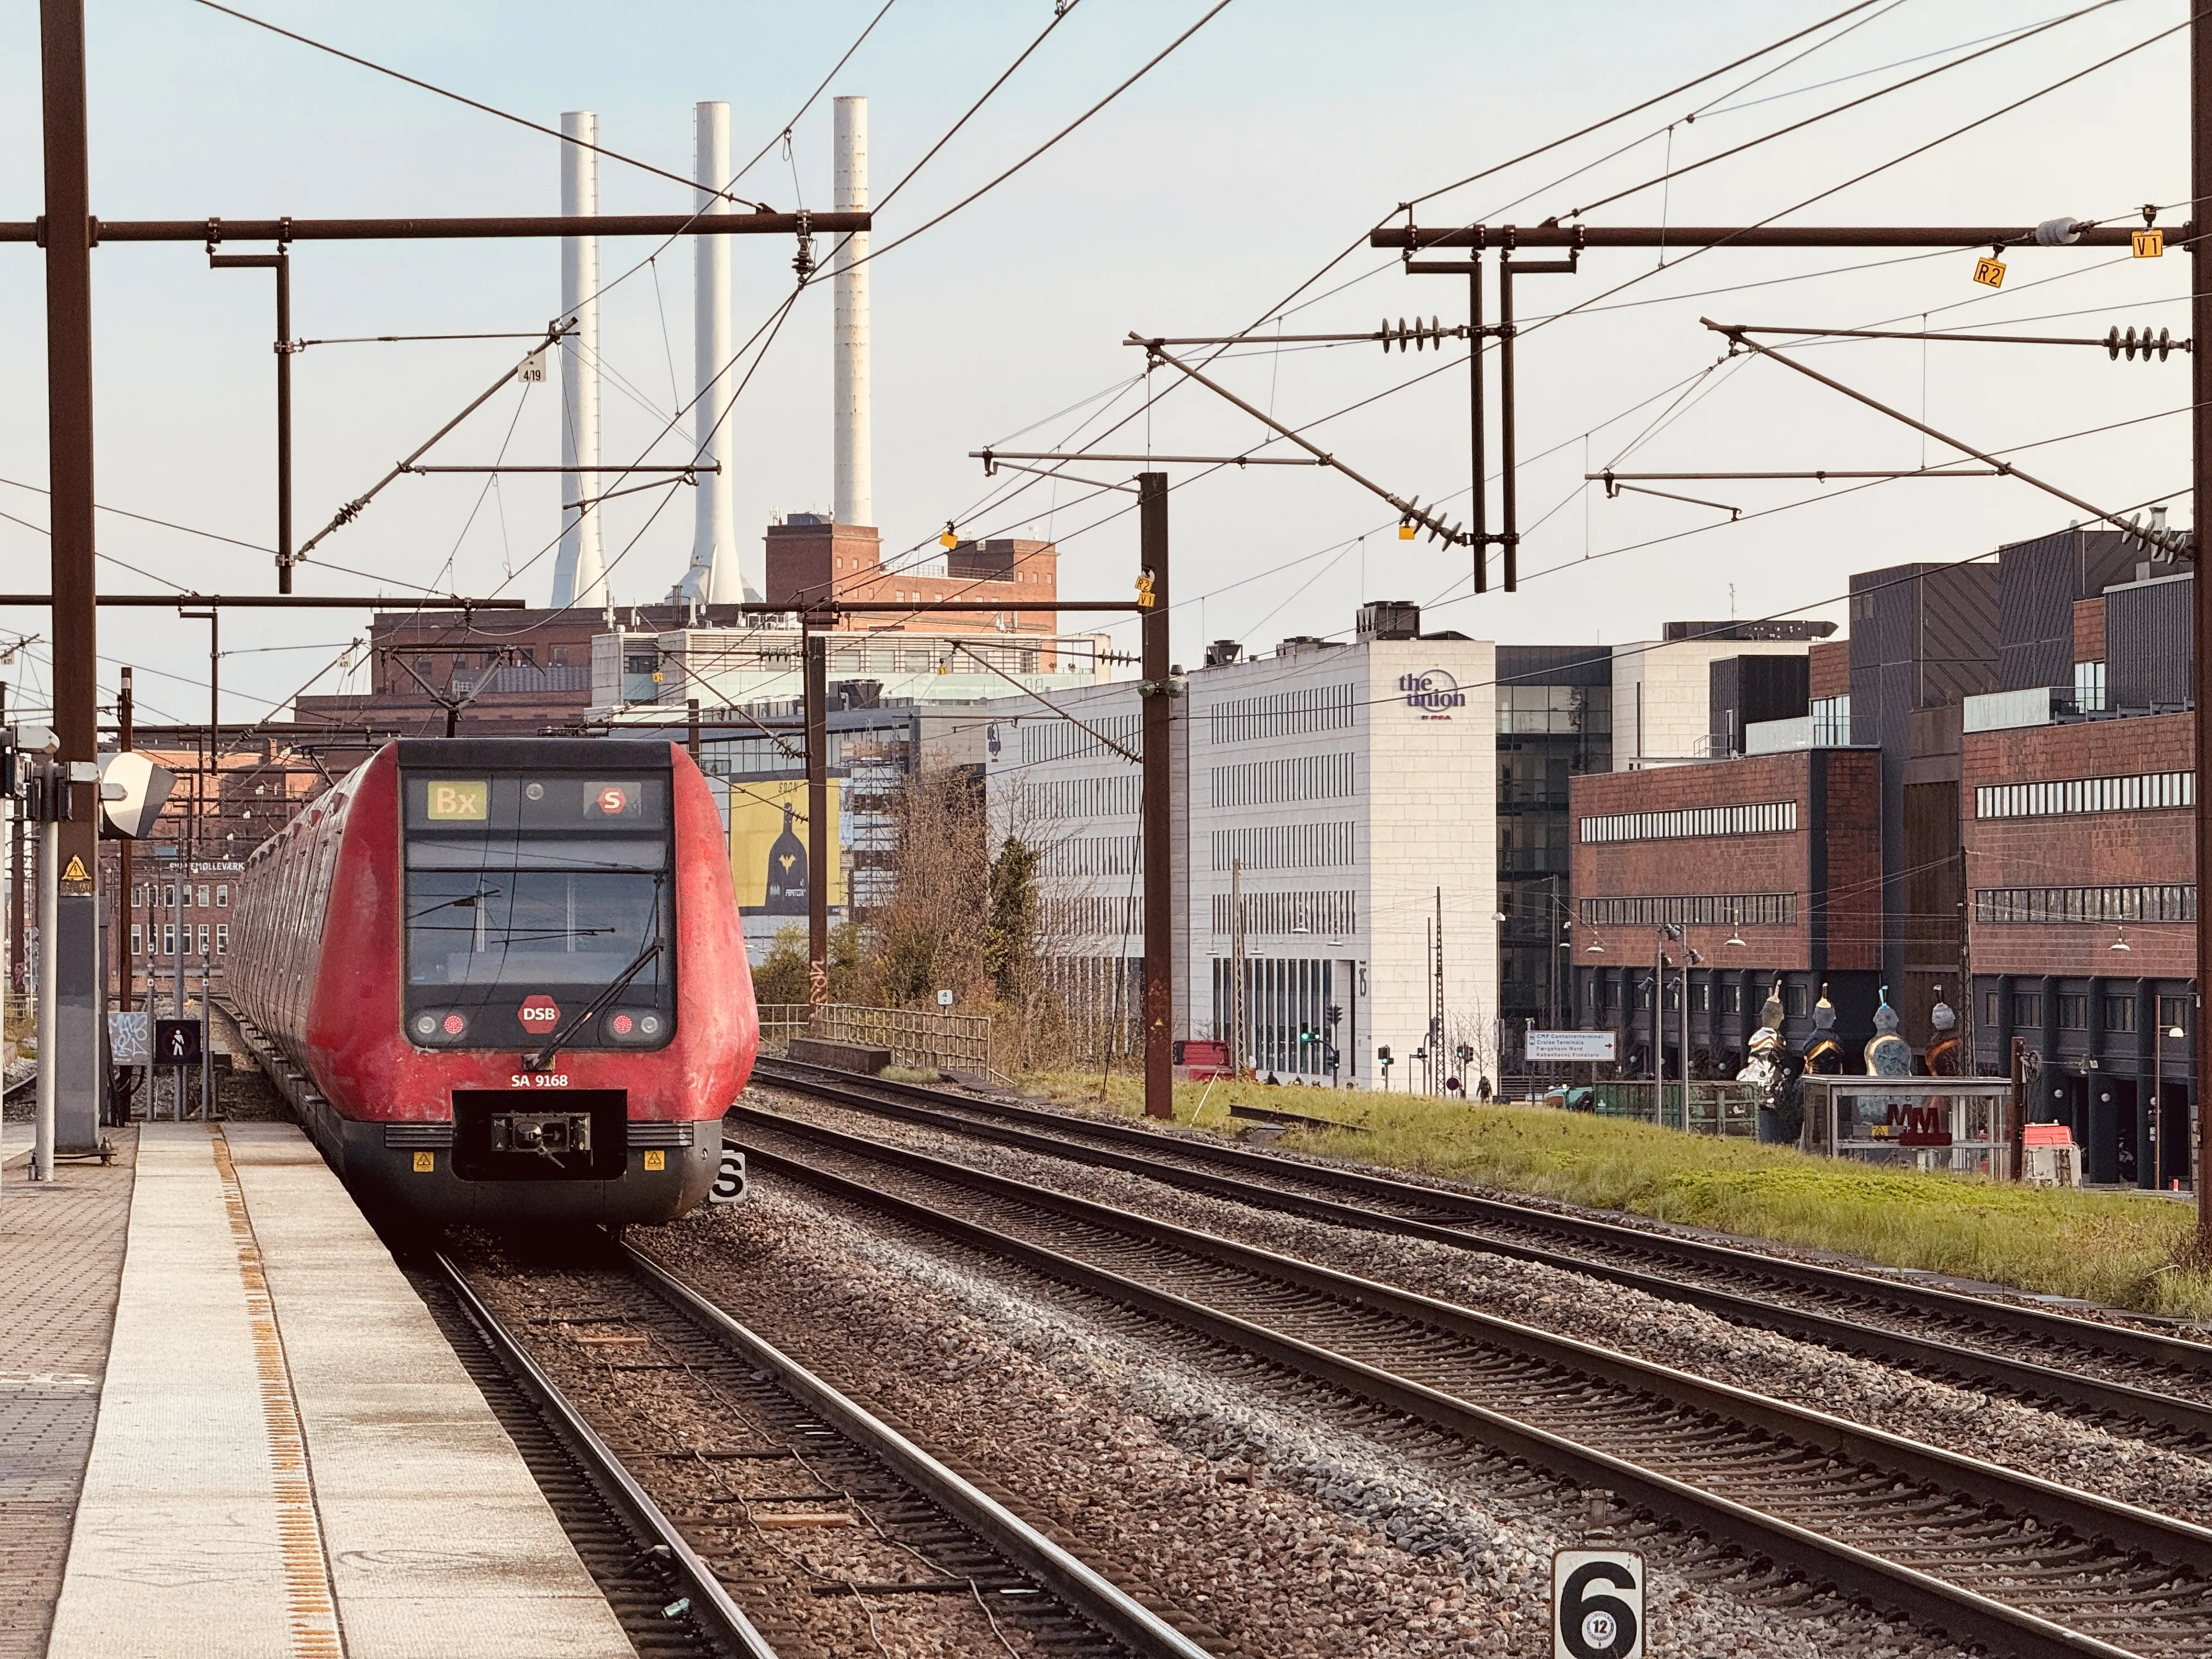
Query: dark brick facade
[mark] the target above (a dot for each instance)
(2095, 1018)
(1828, 868)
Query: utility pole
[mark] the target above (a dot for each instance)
(72, 995)
(2200, 427)
(1236, 968)
(125, 708)
(281, 263)
(819, 849)
(1158, 691)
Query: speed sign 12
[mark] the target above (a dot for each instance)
(1597, 1604)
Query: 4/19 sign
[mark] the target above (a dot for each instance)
(1597, 1604)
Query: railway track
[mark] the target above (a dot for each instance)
(769, 1514)
(2020, 1564)
(2150, 1384)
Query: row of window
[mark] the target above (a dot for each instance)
(163, 941)
(1093, 856)
(1284, 846)
(1562, 709)
(1295, 777)
(1706, 996)
(1052, 740)
(1282, 713)
(2172, 902)
(1831, 722)
(1696, 910)
(1755, 818)
(2144, 792)
(1335, 914)
(165, 896)
(1092, 916)
(1121, 794)
(2072, 1009)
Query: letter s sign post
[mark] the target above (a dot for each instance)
(1597, 1604)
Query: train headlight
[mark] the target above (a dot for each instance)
(636, 1026)
(436, 1025)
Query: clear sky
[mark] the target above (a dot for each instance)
(1264, 147)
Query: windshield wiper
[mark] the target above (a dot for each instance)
(540, 1059)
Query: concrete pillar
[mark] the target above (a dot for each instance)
(580, 567)
(855, 493)
(716, 575)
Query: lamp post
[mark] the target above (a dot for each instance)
(2160, 1034)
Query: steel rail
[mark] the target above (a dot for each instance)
(1963, 1612)
(2126, 1340)
(710, 1602)
(1084, 1591)
(1948, 1355)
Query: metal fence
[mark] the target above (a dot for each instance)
(920, 1038)
(1713, 1108)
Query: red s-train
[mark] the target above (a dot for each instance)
(512, 973)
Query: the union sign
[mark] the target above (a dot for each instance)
(1434, 694)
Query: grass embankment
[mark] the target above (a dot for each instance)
(2114, 1248)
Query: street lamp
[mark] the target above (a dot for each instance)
(2160, 1034)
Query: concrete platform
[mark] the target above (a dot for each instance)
(289, 1461)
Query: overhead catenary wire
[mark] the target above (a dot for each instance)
(473, 103)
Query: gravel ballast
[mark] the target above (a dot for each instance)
(2037, 1442)
(1258, 1514)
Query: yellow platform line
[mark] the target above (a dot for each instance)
(311, 1607)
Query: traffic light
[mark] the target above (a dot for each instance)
(1466, 1052)
(1383, 1054)
(1332, 1015)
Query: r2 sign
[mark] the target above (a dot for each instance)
(730, 1180)
(1597, 1604)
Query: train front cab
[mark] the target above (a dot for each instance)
(564, 989)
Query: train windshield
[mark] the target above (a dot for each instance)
(529, 899)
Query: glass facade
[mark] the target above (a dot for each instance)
(1546, 734)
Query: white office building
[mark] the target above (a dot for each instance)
(1349, 791)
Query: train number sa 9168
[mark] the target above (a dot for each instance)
(537, 1081)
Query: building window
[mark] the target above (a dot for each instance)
(2141, 791)
(1731, 998)
(2120, 1013)
(222, 939)
(1759, 818)
(138, 896)
(2089, 687)
(1831, 722)
(1990, 1009)
(138, 939)
(204, 939)
(204, 896)
(222, 895)
(2174, 1013)
(2026, 1008)
(169, 896)
(2073, 1013)
(168, 938)
(1701, 998)
(1698, 910)
(1793, 1001)
(2005, 905)
(1282, 713)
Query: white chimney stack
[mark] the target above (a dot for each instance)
(715, 576)
(855, 472)
(579, 569)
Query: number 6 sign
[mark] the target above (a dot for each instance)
(1597, 1604)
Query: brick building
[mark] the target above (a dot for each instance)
(810, 559)
(1768, 867)
(2080, 854)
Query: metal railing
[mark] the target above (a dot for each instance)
(921, 1039)
(1713, 1108)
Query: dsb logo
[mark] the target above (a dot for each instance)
(539, 1013)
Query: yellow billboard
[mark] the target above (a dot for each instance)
(769, 861)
